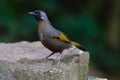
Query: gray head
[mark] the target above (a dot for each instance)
(39, 15)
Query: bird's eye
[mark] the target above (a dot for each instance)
(37, 13)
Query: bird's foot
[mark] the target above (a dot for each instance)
(57, 64)
(44, 59)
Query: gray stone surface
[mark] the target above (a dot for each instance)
(24, 61)
(95, 78)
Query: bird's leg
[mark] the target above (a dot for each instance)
(57, 61)
(46, 58)
(49, 55)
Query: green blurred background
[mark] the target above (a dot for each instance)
(93, 23)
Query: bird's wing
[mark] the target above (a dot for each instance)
(78, 46)
(61, 37)
(58, 35)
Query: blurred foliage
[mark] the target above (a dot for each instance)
(84, 21)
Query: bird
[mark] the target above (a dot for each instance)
(52, 38)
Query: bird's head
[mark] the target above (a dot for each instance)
(39, 15)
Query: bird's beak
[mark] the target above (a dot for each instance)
(31, 13)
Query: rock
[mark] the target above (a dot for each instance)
(24, 61)
(95, 78)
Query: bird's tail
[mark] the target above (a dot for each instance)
(78, 46)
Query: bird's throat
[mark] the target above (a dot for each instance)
(41, 23)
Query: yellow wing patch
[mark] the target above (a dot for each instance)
(61, 37)
(75, 44)
(78, 46)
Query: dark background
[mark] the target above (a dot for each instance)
(93, 23)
